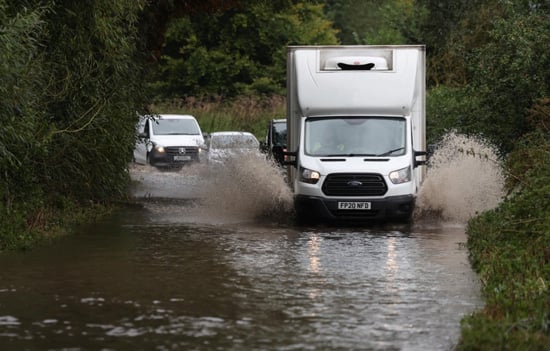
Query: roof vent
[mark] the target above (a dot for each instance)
(363, 63)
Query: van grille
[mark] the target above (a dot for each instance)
(192, 151)
(354, 184)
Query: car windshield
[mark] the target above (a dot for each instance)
(237, 141)
(355, 136)
(175, 127)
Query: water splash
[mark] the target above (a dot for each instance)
(247, 187)
(464, 178)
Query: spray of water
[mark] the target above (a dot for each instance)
(244, 188)
(463, 179)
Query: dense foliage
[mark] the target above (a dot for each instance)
(70, 87)
(510, 248)
(503, 72)
(240, 51)
(372, 22)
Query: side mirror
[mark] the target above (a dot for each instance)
(428, 153)
(289, 158)
(419, 162)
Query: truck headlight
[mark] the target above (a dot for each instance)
(402, 175)
(159, 148)
(309, 176)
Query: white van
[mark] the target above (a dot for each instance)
(168, 141)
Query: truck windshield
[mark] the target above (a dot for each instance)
(175, 127)
(355, 136)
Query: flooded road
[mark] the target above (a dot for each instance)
(173, 275)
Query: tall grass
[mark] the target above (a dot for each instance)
(244, 113)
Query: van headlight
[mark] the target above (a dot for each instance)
(159, 149)
(402, 175)
(309, 176)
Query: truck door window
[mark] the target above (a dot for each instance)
(279, 134)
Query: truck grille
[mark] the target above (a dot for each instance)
(354, 184)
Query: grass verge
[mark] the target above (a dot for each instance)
(509, 247)
(246, 113)
(27, 229)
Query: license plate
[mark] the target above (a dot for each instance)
(182, 158)
(353, 205)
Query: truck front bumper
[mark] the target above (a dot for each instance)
(393, 208)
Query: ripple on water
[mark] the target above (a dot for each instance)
(8, 320)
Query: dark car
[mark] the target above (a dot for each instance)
(275, 140)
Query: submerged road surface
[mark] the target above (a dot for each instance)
(175, 275)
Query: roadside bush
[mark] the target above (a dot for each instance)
(511, 73)
(21, 84)
(510, 249)
(71, 82)
(450, 108)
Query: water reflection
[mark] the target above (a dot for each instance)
(391, 269)
(313, 253)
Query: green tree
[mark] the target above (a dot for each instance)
(70, 83)
(501, 77)
(238, 51)
(21, 84)
(510, 72)
(371, 22)
(92, 94)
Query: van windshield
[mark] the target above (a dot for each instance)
(175, 127)
(355, 136)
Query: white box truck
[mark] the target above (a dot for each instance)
(356, 130)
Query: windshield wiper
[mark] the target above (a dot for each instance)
(351, 154)
(361, 155)
(387, 153)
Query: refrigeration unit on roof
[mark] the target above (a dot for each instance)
(363, 63)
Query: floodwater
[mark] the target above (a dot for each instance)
(211, 260)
